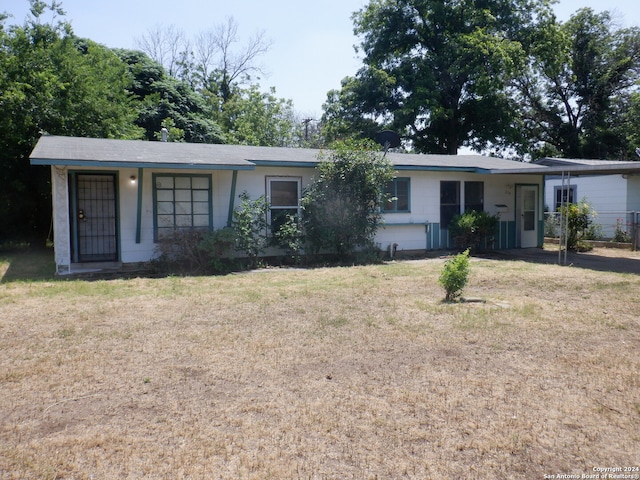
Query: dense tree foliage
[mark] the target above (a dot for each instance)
(252, 117)
(575, 96)
(435, 71)
(51, 82)
(162, 98)
(497, 75)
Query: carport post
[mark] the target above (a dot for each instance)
(563, 239)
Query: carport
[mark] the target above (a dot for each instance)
(566, 173)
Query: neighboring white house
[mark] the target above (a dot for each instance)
(112, 199)
(615, 197)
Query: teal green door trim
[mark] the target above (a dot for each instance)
(139, 207)
(232, 196)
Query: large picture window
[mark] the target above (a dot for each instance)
(181, 202)
(284, 200)
(398, 192)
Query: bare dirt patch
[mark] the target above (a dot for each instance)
(330, 373)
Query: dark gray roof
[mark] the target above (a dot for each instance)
(470, 163)
(53, 150)
(579, 167)
(75, 151)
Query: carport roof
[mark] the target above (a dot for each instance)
(578, 167)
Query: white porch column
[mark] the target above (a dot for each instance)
(61, 231)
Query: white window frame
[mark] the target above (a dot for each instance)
(271, 179)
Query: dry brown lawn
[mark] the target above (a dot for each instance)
(337, 373)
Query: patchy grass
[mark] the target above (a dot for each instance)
(24, 263)
(356, 372)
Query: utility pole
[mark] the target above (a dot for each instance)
(306, 122)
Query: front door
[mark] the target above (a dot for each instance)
(94, 217)
(528, 216)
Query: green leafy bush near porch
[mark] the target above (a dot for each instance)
(474, 230)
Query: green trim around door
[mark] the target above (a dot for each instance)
(94, 216)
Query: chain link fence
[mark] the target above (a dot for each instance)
(621, 227)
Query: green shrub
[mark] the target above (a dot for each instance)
(341, 206)
(551, 225)
(290, 237)
(474, 230)
(579, 220)
(620, 235)
(250, 227)
(454, 275)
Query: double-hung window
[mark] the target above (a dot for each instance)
(398, 193)
(181, 202)
(564, 195)
(284, 200)
(452, 203)
(473, 196)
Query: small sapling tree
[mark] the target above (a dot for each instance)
(454, 275)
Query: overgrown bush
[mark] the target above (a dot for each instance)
(342, 205)
(551, 225)
(191, 251)
(594, 232)
(454, 275)
(290, 237)
(217, 247)
(179, 252)
(474, 230)
(620, 234)
(250, 227)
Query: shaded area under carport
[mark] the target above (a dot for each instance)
(600, 259)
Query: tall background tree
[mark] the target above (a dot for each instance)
(161, 100)
(217, 68)
(576, 94)
(51, 82)
(498, 76)
(435, 71)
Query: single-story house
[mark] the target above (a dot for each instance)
(113, 199)
(614, 196)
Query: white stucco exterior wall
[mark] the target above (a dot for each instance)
(405, 229)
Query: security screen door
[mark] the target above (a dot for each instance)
(95, 224)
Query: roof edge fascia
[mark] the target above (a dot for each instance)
(175, 166)
(283, 163)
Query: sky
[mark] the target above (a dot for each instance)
(312, 46)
